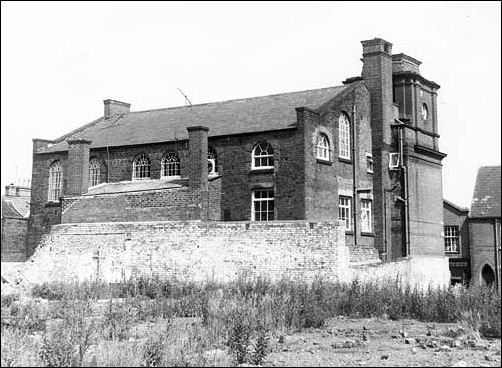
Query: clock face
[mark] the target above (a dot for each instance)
(425, 112)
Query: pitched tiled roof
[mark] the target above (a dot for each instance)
(486, 199)
(458, 208)
(249, 115)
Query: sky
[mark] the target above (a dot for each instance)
(59, 61)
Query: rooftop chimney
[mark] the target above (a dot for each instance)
(113, 107)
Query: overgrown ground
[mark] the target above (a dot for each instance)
(251, 322)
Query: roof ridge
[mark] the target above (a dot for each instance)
(236, 99)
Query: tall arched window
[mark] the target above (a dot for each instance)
(141, 167)
(344, 136)
(263, 156)
(94, 172)
(170, 165)
(55, 181)
(212, 161)
(322, 147)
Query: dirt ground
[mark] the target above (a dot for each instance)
(382, 343)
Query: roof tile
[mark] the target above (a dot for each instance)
(486, 198)
(249, 115)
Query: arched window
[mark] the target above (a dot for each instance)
(170, 165)
(55, 181)
(322, 147)
(94, 172)
(212, 161)
(344, 136)
(425, 112)
(263, 156)
(141, 167)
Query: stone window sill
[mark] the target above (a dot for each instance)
(324, 162)
(268, 170)
(346, 160)
(368, 234)
(349, 232)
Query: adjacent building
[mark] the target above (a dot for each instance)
(484, 227)
(456, 242)
(15, 214)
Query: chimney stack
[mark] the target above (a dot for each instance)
(113, 107)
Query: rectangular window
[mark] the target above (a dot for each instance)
(451, 240)
(263, 205)
(344, 210)
(366, 223)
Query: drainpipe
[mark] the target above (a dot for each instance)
(354, 184)
(497, 254)
(405, 192)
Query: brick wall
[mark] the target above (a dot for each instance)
(377, 75)
(77, 173)
(357, 94)
(192, 250)
(482, 240)
(42, 213)
(14, 232)
(416, 270)
(425, 206)
(153, 205)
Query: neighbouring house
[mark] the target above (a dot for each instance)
(484, 227)
(363, 154)
(456, 239)
(15, 214)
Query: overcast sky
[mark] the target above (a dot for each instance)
(61, 60)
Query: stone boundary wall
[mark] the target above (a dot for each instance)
(421, 271)
(191, 250)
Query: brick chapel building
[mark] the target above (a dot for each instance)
(365, 153)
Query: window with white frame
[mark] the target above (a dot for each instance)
(366, 223)
(263, 156)
(451, 240)
(263, 205)
(344, 136)
(170, 165)
(344, 211)
(322, 147)
(55, 181)
(141, 167)
(211, 161)
(369, 163)
(94, 172)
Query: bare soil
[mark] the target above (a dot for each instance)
(382, 343)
